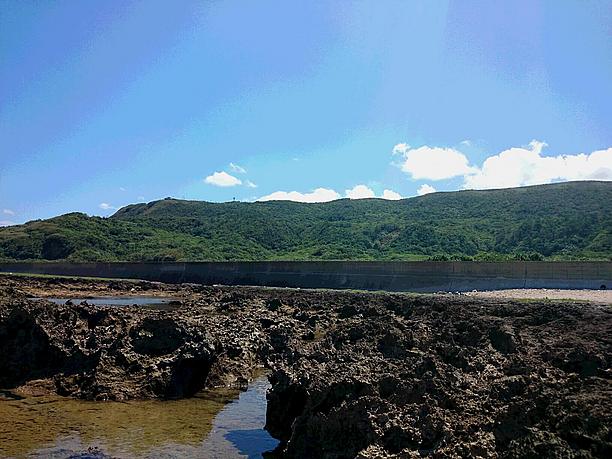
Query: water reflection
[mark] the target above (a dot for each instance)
(153, 302)
(202, 426)
(239, 426)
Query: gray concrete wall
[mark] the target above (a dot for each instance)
(427, 276)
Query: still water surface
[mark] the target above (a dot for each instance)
(154, 302)
(215, 424)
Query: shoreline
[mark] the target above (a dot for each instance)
(352, 374)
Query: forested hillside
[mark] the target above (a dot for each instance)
(558, 221)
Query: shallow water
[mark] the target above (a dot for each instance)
(217, 423)
(154, 302)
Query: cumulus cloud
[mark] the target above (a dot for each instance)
(517, 166)
(391, 195)
(526, 166)
(317, 195)
(425, 189)
(8, 212)
(359, 192)
(106, 206)
(249, 184)
(222, 179)
(432, 163)
(236, 168)
(326, 194)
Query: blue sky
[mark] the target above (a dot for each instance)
(108, 103)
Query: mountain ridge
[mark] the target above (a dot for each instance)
(570, 220)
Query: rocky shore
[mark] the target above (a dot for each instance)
(353, 374)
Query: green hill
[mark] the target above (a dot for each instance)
(558, 221)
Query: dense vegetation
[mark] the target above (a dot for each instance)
(558, 221)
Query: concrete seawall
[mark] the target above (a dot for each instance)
(428, 276)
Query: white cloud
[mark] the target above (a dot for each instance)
(432, 163)
(359, 192)
(122, 188)
(6, 223)
(526, 166)
(237, 168)
(106, 206)
(141, 198)
(249, 184)
(517, 166)
(425, 189)
(327, 194)
(317, 195)
(401, 148)
(391, 195)
(8, 212)
(222, 179)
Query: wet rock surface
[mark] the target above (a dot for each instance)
(353, 374)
